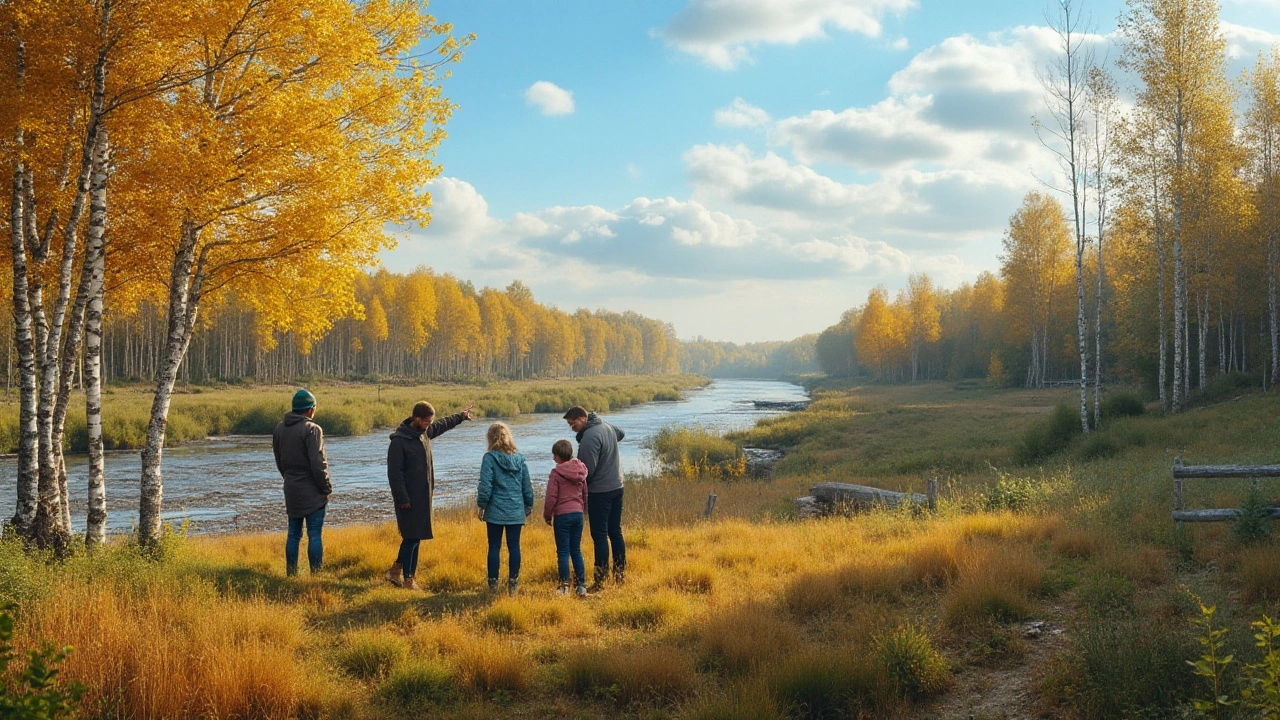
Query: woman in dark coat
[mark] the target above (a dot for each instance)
(411, 474)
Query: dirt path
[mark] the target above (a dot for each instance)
(1005, 692)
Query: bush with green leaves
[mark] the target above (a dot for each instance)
(1122, 404)
(35, 694)
(1045, 439)
(1253, 524)
(914, 667)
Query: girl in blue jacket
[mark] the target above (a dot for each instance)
(505, 499)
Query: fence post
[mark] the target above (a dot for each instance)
(1177, 487)
(711, 506)
(931, 492)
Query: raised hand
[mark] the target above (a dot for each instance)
(466, 412)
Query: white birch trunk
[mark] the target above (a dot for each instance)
(184, 295)
(1273, 308)
(28, 433)
(96, 524)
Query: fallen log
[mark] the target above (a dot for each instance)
(846, 493)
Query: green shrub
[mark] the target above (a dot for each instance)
(1098, 445)
(1122, 404)
(1126, 666)
(1011, 493)
(692, 451)
(914, 668)
(418, 684)
(1253, 524)
(1045, 439)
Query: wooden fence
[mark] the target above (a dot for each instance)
(1182, 472)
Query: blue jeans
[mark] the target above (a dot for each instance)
(568, 529)
(513, 549)
(605, 513)
(408, 556)
(315, 548)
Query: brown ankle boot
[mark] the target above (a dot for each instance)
(395, 575)
(411, 584)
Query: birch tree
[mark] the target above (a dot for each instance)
(1262, 134)
(284, 169)
(1101, 101)
(1066, 85)
(1176, 49)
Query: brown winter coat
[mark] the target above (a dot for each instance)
(412, 475)
(298, 444)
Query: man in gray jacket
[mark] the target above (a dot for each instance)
(598, 450)
(298, 444)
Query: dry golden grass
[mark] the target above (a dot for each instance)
(754, 614)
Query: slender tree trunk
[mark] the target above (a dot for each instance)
(1164, 331)
(28, 432)
(184, 295)
(1273, 307)
(96, 524)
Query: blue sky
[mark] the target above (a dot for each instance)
(744, 169)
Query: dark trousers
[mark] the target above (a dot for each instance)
(604, 510)
(315, 548)
(408, 557)
(513, 550)
(568, 529)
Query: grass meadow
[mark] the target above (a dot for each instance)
(754, 614)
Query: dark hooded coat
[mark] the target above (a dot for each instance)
(298, 445)
(411, 474)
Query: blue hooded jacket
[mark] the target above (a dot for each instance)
(505, 491)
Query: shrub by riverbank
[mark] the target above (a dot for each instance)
(343, 409)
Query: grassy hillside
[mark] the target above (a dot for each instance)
(754, 614)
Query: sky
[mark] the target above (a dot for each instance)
(747, 170)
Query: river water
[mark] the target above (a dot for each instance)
(231, 483)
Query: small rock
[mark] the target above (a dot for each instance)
(1034, 628)
(809, 507)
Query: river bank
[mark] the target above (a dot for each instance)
(229, 483)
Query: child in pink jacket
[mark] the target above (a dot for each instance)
(565, 503)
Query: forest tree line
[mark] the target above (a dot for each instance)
(1155, 262)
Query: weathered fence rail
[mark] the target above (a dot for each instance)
(1182, 472)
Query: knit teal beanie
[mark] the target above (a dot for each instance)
(303, 401)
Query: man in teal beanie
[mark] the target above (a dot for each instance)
(298, 444)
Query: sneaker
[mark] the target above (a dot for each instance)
(513, 585)
(395, 575)
(563, 589)
(581, 590)
(411, 584)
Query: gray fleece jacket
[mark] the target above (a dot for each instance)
(598, 450)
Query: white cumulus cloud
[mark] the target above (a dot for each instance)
(549, 98)
(741, 114)
(722, 32)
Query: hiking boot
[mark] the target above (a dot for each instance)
(493, 584)
(563, 589)
(581, 590)
(620, 574)
(513, 585)
(395, 575)
(290, 570)
(411, 584)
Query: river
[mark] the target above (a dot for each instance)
(230, 483)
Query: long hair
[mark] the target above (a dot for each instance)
(500, 438)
